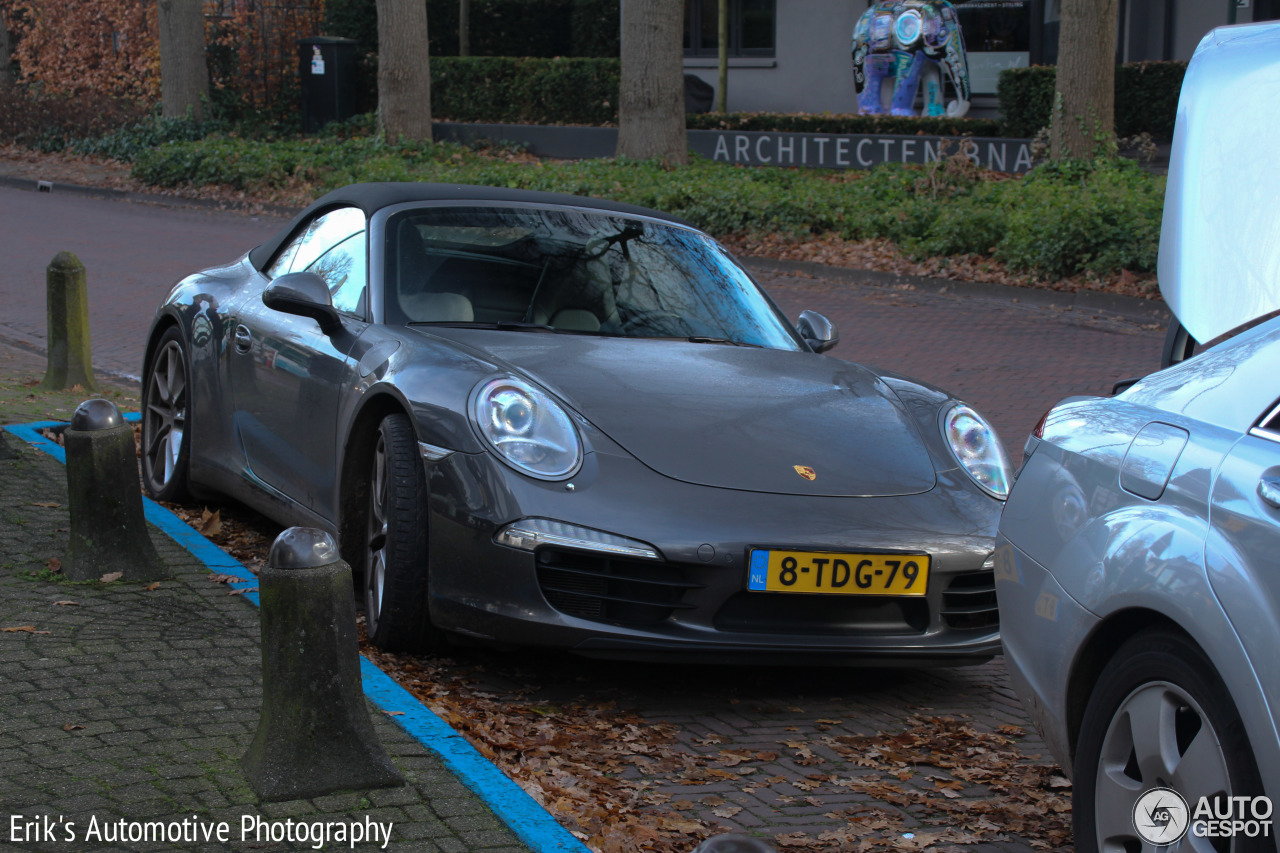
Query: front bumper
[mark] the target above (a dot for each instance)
(693, 604)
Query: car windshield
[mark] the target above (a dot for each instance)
(574, 271)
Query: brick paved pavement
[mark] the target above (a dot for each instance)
(137, 704)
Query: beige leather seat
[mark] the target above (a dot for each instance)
(582, 301)
(437, 308)
(414, 284)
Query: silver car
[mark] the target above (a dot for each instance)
(1138, 556)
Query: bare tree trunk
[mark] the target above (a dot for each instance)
(651, 101)
(6, 55)
(184, 76)
(722, 97)
(1085, 93)
(464, 27)
(404, 71)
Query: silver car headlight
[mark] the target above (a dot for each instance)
(529, 430)
(978, 450)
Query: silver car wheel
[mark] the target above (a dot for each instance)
(375, 576)
(1159, 737)
(164, 422)
(1159, 716)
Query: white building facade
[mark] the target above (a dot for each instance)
(794, 55)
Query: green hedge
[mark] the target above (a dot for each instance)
(828, 123)
(524, 90)
(1146, 98)
(1026, 98)
(585, 91)
(1059, 220)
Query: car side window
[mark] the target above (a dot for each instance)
(343, 268)
(321, 234)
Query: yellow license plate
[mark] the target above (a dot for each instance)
(847, 574)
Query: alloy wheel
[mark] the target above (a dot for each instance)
(375, 568)
(166, 415)
(1159, 737)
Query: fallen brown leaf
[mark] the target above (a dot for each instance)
(242, 590)
(46, 504)
(210, 523)
(111, 577)
(152, 586)
(66, 604)
(54, 564)
(26, 629)
(71, 727)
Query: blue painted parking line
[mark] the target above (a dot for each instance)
(530, 822)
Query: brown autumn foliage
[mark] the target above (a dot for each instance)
(111, 47)
(107, 46)
(257, 40)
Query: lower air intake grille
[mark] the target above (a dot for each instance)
(788, 613)
(970, 602)
(606, 589)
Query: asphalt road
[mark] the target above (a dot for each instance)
(133, 254)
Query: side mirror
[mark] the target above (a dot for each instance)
(306, 295)
(818, 332)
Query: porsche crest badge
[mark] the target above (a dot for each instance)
(806, 472)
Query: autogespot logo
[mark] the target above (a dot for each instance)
(1160, 816)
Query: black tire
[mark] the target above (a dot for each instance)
(1159, 688)
(395, 545)
(166, 433)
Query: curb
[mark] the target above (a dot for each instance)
(36, 185)
(528, 820)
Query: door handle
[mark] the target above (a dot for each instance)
(244, 339)
(1269, 490)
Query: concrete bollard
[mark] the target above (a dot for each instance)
(108, 530)
(70, 361)
(314, 735)
(732, 843)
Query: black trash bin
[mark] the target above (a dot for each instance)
(327, 70)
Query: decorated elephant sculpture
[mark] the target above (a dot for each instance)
(909, 42)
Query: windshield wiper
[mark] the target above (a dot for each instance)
(502, 325)
(704, 339)
(524, 326)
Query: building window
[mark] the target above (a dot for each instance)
(997, 35)
(751, 27)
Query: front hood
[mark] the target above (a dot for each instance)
(727, 416)
(1219, 262)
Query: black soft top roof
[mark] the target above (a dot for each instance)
(372, 197)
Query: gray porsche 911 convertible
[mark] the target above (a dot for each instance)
(546, 420)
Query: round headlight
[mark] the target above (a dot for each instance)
(530, 431)
(978, 450)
